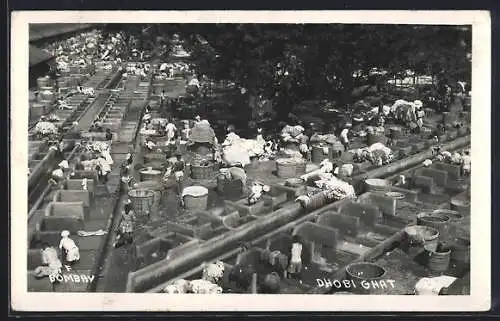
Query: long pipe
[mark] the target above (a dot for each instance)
(410, 161)
(165, 269)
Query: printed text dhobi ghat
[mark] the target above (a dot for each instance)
(365, 284)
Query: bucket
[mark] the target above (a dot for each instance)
(150, 174)
(419, 237)
(453, 215)
(439, 222)
(203, 172)
(195, 198)
(461, 250)
(142, 201)
(157, 188)
(364, 271)
(319, 153)
(439, 259)
(377, 184)
(460, 206)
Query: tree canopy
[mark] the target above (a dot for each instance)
(290, 62)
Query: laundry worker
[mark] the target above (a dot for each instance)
(125, 232)
(127, 180)
(58, 176)
(344, 139)
(466, 163)
(178, 169)
(51, 265)
(109, 136)
(71, 253)
(163, 97)
(171, 130)
(420, 114)
(103, 169)
(295, 265)
(186, 131)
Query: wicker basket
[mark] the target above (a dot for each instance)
(142, 201)
(195, 198)
(203, 172)
(150, 174)
(287, 169)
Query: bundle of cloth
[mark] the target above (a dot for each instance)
(213, 272)
(87, 91)
(378, 154)
(432, 286)
(463, 159)
(406, 111)
(237, 150)
(199, 286)
(332, 189)
(233, 173)
(45, 128)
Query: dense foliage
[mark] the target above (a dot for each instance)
(290, 63)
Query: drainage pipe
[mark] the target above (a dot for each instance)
(161, 271)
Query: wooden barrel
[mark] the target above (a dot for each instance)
(420, 237)
(439, 259)
(439, 222)
(461, 250)
(460, 206)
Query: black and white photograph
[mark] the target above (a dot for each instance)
(239, 154)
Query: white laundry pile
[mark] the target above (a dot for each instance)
(432, 286)
(237, 150)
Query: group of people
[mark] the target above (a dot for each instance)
(52, 262)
